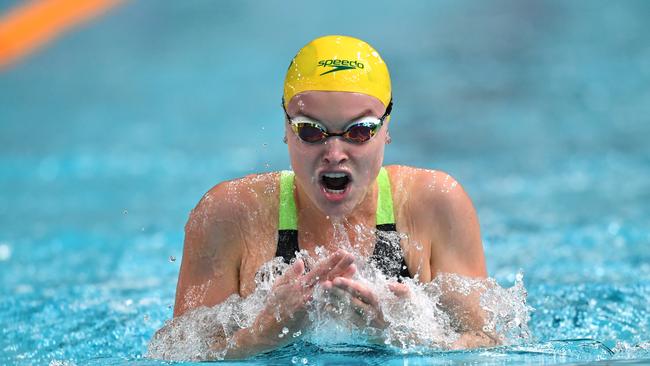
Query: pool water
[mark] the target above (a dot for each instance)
(110, 135)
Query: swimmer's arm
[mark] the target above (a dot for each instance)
(209, 271)
(456, 247)
(209, 274)
(285, 308)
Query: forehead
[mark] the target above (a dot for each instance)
(334, 106)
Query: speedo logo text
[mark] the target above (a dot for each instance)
(339, 65)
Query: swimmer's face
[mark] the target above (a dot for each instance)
(335, 174)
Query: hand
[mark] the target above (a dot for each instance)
(287, 306)
(364, 301)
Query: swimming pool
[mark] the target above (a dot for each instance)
(110, 136)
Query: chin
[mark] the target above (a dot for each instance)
(337, 208)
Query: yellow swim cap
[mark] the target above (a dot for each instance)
(338, 63)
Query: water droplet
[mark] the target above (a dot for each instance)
(327, 217)
(285, 330)
(145, 317)
(304, 360)
(265, 145)
(172, 258)
(5, 251)
(294, 360)
(267, 165)
(296, 334)
(126, 212)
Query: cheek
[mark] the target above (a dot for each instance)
(371, 159)
(302, 161)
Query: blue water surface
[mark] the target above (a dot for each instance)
(111, 134)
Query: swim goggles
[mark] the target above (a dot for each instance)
(357, 132)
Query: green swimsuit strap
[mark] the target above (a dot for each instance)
(288, 218)
(384, 199)
(288, 214)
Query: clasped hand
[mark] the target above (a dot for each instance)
(293, 292)
(364, 302)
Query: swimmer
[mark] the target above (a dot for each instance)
(337, 103)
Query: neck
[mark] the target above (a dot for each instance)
(351, 231)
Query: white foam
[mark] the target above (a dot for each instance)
(441, 315)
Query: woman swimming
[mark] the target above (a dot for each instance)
(407, 222)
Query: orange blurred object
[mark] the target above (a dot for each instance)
(36, 22)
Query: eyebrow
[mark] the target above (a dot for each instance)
(365, 113)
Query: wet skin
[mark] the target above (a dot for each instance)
(362, 162)
(233, 230)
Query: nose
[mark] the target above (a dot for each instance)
(335, 152)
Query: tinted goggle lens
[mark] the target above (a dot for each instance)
(309, 132)
(359, 132)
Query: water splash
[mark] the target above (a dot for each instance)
(202, 333)
(438, 315)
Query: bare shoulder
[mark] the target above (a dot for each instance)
(428, 191)
(436, 203)
(235, 200)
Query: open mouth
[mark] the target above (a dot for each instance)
(335, 183)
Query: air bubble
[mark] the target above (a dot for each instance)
(296, 334)
(172, 258)
(125, 212)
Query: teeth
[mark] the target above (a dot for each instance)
(335, 191)
(334, 175)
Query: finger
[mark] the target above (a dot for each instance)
(321, 268)
(350, 271)
(292, 273)
(343, 267)
(367, 315)
(399, 289)
(360, 308)
(356, 289)
(363, 313)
